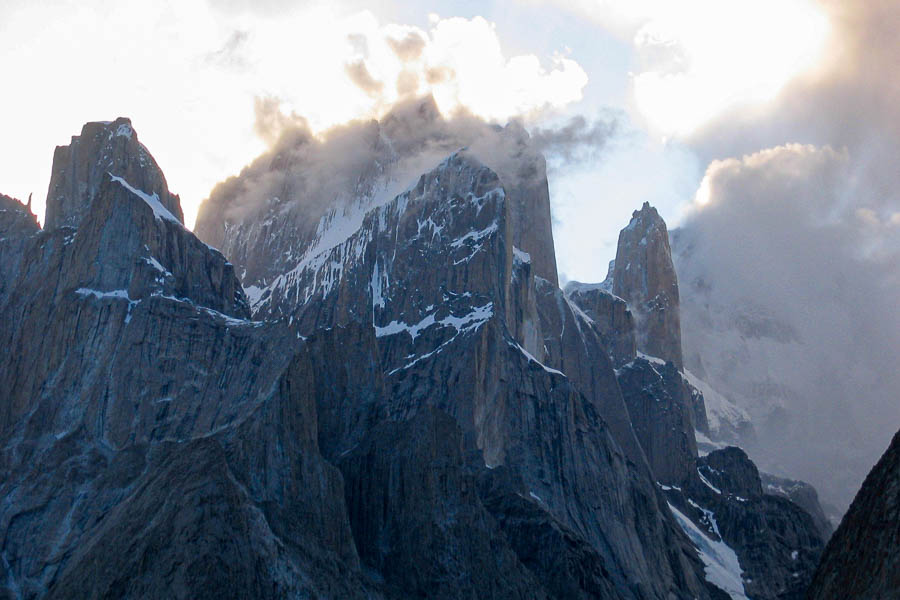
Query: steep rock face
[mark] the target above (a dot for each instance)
(462, 325)
(645, 278)
(80, 168)
(292, 203)
(759, 545)
(154, 442)
(574, 346)
(612, 317)
(862, 558)
(127, 252)
(529, 194)
(17, 226)
(410, 498)
(803, 495)
(659, 404)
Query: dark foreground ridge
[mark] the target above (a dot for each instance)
(862, 559)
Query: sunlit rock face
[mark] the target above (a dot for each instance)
(79, 169)
(461, 322)
(645, 278)
(861, 559)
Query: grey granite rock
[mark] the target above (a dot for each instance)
(18, 226)
(862, 559)
(458, 325)
(417, 518)
(154, 442)
(775, 541)
(659, 404)
(611, 316)
(80, 168)
(803, 495)
(645, 278)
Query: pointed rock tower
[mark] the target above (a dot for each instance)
(79, 168)
(644, 277)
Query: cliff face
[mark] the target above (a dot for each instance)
(612, 317)
(462, 325)
(861, 559)
(80, 168)
(406, 404)
(645, 278)
(155, 442)
(17, 226)
(752, 543)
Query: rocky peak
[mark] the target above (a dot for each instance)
(644, 276)
(79, 169)
(611, 316)
(17, 225)
(305, 185)
(731, 469)
(524, 174)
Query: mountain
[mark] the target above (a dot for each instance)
(80, 168)
(644, 276)
(861, 559)
(464, 325)
(753, 543)
(375, 390)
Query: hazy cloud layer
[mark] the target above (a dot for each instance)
(790, 289)
(851, 100)
(187, 72)
(312, 172)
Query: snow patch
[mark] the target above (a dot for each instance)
(708, 484)
(531, 358)
(721, 565)
(124, 130)
(520, 256)
(472, 320)
(159, 211)
(719, 410)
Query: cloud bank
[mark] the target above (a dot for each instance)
(188, 73)
(790, 286)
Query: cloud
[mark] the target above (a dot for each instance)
(791, 240)
(188, 73)
(359, 74)
(697, 59)
(850, 100)
(309, 173)
(409, 47)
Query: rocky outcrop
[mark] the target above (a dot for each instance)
(757, 545)
(422, 411)
(862, 558)
(658, 402)
(154, 442)
(645, 278)
(80, 168)
(287, 206)
(409, 497)
(803, 495)
(611, 316)
(18, 226)
(463, 325)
